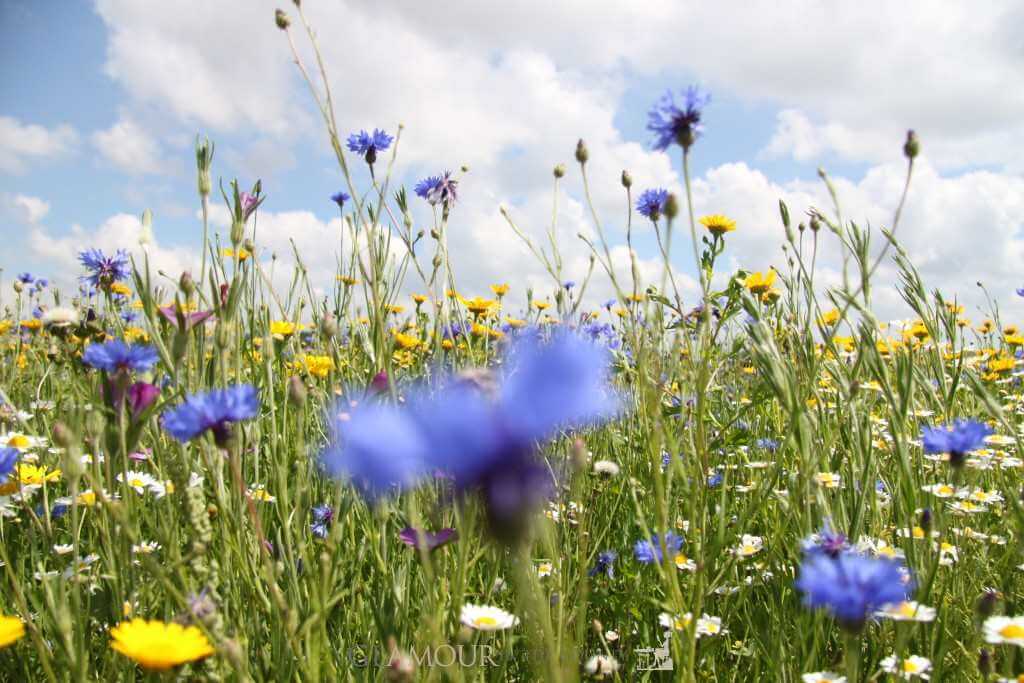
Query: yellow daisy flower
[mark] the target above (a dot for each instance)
(718, 224)
(158, 646)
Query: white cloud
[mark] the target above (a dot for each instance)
(797, 137)
(129, 147)
(25, 208)
(22, 144)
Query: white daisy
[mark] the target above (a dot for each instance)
(908, 610)
(487, 617)
(1004, 630)
(913, 665)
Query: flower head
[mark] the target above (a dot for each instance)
(12, 629)
(851, 586)
(649, 550)
(369, 144)
(958, 439)
(436, 189)
(672, 123)
(1004, 630)
(430, 540)
(340, 198)
(718, 224)
(323, 515)
(158, 646)
(487, 618)
(115, 355)
(214, 410)
(104, 270)
(605, 564)
(652, 202)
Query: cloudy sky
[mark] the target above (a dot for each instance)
(100, 104)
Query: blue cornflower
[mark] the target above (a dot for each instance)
(25, 278)
(483, 445)
(605, 563)
(715, 479)
(766, 444)
(827, 541)
(8, 459)
(323, 515)
(369, 144)
(652, 202)
(607, 305)
(115, 355)
(215, 410)
(105, 270)
(569, 284)
(957, 439)
(340, 198)
(851, 586)
(680, 125)
(648, 551)
(437, 188)
(1020, 291)
(41, 284)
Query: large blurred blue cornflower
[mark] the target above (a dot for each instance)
(438, 189)
(25, 278)
(369, 144)
(8, 459)
(215, 410)
(115, 355)
(105, 270)
(671, 123)
(958, 439)
(649, 550)
(483, 444)
(652, 202)
(851, 586)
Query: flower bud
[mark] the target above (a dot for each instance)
(62, 435)
(296, 391)
(671, 208)
(146, 232)
(627, 180)
(912, 146)
(560, 171)
(784, 210)
(582, 154)
(579, 455)
(187, 284)
(329, 326)
(282, 20)
(815, 223)
(18, 286)
(925, 522)
(986, 604)
(984, 662)
(204, 159)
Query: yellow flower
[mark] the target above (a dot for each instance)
(479, 305)
(829, 317)
(1011, 331)
(418, 298)
(843, 343)
(12, 629)
(395, 309)
(499, 290)
(318, 366)
(759, 283)
(479, 330)
(229, 253)
(718, 224)
(349, 281)
(771, 296)
(282, 329)
(5, 325)
(407, 341)
(134, 334)
(33, 324)
(447, 344)
(515, 323)
(33, 475)
(1014, 340)
(541, 305)
(986, 327)
(158, 646)
(120, 288)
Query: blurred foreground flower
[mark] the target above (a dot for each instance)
(12, 629)
(215, 410)
(674, 124)
(851, 586)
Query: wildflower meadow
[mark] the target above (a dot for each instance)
(213, 476)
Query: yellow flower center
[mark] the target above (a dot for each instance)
(18, 441)
(1012, 632)
(485, 621)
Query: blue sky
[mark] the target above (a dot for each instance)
(113, 70)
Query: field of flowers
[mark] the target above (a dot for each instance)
(396, 479)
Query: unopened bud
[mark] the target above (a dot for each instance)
(986, 604)
(560, 171)
(62, 435)
(671, 208)
(296, 391)
(597, 626)
(984, 662)
(627, 180)
(329, 326)
(912, 146)
(784, 210)
(925, 522)
(282, 20)
(146, 232)
(187, 284)
(815, 222)
(582, 154)
(19, 287)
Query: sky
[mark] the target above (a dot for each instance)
(101, 103)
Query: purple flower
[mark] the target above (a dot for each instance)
(25, 278)
(429, 540)
(105, 270)
(369, 144)
(671, 123)
(651, 203)
(249, 204)
(115, 355)
(438, 189)
(957, 439)
(649, 550)
(605, 564)
(827, 541)
(8, 459)
(170, 313)
(215, 410)
(323, 516)
(141, 396)
(1020, 291)
(340, 198)
(485, 445)
(851, 586)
